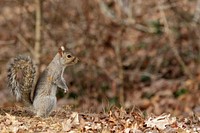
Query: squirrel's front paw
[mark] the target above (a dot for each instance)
(66, 90)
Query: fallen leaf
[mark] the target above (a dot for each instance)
(160, 122)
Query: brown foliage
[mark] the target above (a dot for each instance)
(122, 45)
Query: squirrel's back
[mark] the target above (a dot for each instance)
(21, 74)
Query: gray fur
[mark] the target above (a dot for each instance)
(21, 88)
(44, 93)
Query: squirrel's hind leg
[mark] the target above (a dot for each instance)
(43, 106)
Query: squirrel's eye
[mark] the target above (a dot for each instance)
(69, 56)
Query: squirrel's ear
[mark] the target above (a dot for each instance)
(61, 50)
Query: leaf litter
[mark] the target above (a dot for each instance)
(116, 120)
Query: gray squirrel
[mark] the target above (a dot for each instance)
(42, 97)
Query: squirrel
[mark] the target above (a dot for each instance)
(41, 97)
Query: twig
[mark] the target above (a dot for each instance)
(120, 75)
(115, 17)
(172, 43)
(7, 42)
(197, 13)
(21, 38)
(38, 25)
(171, 5)
(25, 43)
(120, 83)
(195, 26)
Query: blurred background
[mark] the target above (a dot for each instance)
(135, 54)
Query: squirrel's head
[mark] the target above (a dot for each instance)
(66, 58)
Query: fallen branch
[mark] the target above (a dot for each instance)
(172, 43)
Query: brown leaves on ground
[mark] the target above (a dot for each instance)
(145, 65)
(116, 120)
(153, 80)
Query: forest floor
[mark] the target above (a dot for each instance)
(139, 68)
(116, 120)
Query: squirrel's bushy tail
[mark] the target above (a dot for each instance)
(21, 74)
